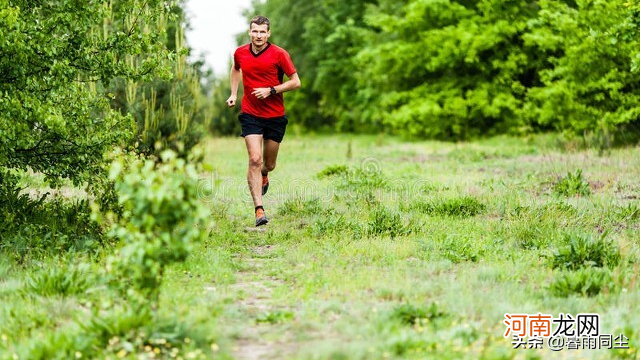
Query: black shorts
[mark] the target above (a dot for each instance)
(269, 128)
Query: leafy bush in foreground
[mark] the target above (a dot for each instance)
(161, 217)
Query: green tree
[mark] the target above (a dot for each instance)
(457, 69)
(57, 57)
(169, 113)
(447, 69)
(591, 83)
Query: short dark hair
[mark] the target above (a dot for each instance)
(260, 20)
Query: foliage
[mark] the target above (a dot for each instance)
(38, 226)
(324, 273)
(409, 314)
(169, 113)
(459, 69)
(458, 250)
(585, 251)
(590, 82)
(383, 221)
(55, 116)
(162, 216)
(573, 184)
(453, 71)
(82, 79)
(59, 280)
(224, 120)
(463, 206)
(585, 282)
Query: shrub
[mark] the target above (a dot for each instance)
(35, 227)
(161, 217)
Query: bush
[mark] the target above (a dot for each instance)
(36, 227)
(161, 217)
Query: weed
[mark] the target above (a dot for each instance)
(300, 207)
(584, 281)
(334, 170)
(386, 222)
(329, 223)
(631, 212)
(464, 206)
(459, 250)
(409, 314)
(585, 251)
(58, 280)
(528, 235)
(275, 317)
(407, 343)
(573, 184)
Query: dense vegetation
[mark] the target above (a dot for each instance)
(78, 81)
(456, 69)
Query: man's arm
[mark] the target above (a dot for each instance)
(292, 84)
(236, 75)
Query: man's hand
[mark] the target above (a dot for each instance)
(261, 93)
(231, 101)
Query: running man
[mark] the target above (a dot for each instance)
(261, 66)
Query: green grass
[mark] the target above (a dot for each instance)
(382, 249)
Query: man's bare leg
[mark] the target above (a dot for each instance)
(269, 155)
(254, 176)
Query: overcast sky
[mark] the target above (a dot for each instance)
(214, 25)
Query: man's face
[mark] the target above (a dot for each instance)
(259, 34)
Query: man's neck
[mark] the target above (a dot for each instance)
(258, 49)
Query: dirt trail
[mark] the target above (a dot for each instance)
(257, 341)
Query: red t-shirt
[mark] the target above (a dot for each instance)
(264, 69)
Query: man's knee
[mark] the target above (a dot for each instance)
(270, 165)
(255, 161)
